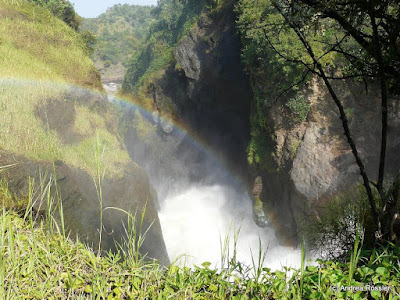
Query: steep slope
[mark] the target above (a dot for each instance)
(24, 29)
(61, 139)
(195, 77)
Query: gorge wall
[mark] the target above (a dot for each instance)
(301, 164)
(206, 89)
(311, 162)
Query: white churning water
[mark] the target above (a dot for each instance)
(195, 219)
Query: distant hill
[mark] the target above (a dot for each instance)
(120, 32)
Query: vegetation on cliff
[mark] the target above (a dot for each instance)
(120, 33)
(332, 41)
(276, 74)
(62, 9)
(173, 20)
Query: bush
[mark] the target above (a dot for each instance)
(331, 231)
(62, 9)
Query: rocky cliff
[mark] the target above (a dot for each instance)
(309, 162)
(300, 162)
(205, 89)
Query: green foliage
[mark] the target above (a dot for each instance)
(299, 106)
(62, 9)
(260, 153)
(270, 72)
(173, 21)
(374, 25)
(272, 56)
(7, 199)
(332, 229)
(90, 41)
(61, 268)
(174, 18)
(120, 32)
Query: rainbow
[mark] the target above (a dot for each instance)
(179, 128)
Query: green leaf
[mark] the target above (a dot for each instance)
(280, 275)
(376, 295)
(316, 295)
(358, 296)
(213, 288)
(88, 289)
(381, 271)
(375, 279)
(312, 268)
(333, 278)
(367, 271)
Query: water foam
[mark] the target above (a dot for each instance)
(196, 218)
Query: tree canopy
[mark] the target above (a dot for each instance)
(360, 38)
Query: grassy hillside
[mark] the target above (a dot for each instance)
(36, 45)
(40, 56)
(120, 32)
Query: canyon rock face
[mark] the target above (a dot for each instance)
(308, 161)
(314, 161)
(206, 89)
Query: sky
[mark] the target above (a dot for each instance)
(93, 8)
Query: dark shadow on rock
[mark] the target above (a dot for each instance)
(81, 205)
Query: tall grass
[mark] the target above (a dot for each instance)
(98, 179)
(37, 261)
(134, 236)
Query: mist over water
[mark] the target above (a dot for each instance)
(197, 219)
(200, 202)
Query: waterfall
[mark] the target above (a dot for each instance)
(200, 202)
(197, 219)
